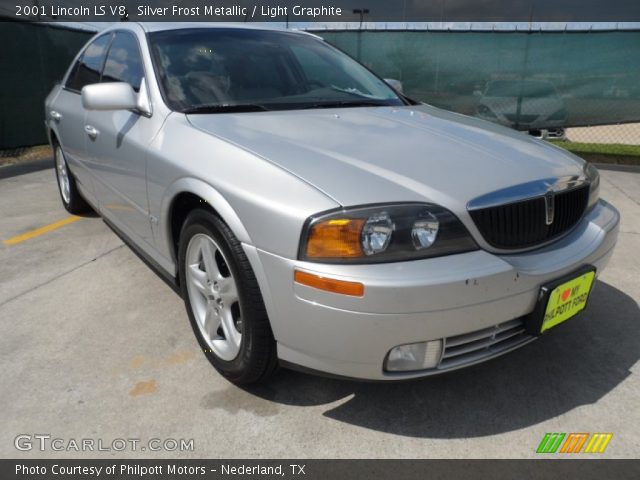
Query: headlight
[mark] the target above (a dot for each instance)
(383, 233)
(594, 184)
(376, 233)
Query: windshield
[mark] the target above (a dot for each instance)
(213, 70)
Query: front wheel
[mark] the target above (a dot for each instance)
(223, 300)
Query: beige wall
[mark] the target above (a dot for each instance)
(627, 134)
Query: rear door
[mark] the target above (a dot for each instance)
(68, 114)
(118, 145)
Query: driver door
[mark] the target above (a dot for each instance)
(117, 142)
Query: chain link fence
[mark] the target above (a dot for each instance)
(606, 143)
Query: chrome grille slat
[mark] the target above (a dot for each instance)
(471, 347)
(483, 344)
(486, 332)
(482, 354)
(511, 333)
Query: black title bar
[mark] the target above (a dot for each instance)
(319, 469)
(325, 10)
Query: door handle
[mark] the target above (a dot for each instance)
(91, 131)
(57, 116)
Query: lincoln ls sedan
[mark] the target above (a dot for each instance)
(314, 217)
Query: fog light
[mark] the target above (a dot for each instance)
(414, 356)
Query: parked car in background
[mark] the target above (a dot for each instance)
(523, 104)
(313, 217)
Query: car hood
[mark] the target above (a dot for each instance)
(392, 154)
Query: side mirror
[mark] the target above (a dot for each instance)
(395, 84)
(109, 96)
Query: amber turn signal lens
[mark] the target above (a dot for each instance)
(337, 238)
(332, 285)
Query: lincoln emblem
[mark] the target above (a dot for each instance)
(549, 207)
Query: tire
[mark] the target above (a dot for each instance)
(69, 194)
(231, 324)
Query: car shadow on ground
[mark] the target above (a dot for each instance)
(89, 213)
(577, 364)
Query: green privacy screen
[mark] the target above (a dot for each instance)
(32, 59)
(523, 80)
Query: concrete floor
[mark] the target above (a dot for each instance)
(93, 344)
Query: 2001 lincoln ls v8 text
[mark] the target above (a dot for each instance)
(314, 217)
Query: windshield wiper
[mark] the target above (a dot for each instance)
(241, 107)
(346, 104)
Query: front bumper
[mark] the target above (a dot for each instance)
(469, 300)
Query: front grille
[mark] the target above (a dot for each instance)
(523, 224)
(482, 344)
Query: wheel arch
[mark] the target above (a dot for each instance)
(198, 194)
(182, 197)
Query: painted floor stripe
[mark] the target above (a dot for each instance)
(41, 231)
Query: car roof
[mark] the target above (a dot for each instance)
(150, 27)
(166, 26)
(162, 26)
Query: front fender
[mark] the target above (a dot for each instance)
(209, 194)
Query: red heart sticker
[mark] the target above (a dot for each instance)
(566, 294)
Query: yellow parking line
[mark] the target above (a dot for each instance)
(41, 231)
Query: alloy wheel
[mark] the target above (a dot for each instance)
(213, 296)
(63, 176)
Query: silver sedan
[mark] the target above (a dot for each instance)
(314, 217)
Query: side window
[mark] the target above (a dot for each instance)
(87, 69)
(123, 61)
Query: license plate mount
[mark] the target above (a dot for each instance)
(561, 299)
